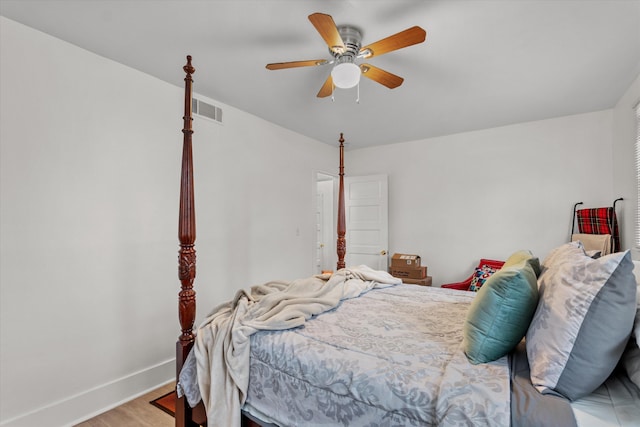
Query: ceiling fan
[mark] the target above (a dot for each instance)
(345, 45)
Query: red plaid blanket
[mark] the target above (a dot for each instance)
(599, 221)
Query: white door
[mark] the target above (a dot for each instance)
(366, 209)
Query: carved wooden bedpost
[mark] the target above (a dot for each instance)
(341, 243)
(187, 252)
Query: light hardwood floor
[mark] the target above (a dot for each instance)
(138, 412)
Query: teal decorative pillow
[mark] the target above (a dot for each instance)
(500, 314)
(583, 321)
(480, 276)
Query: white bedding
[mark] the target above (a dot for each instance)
(616, 403)
(222, 343)
(392, 357)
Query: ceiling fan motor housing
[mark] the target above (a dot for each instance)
(352, 39)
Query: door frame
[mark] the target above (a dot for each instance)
(334, 217)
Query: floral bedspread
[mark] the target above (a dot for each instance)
(392, 357)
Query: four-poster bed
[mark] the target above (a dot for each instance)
(371, 350)
(184, 414)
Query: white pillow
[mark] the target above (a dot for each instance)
(636, 327)
(583, 321)
(631, 362)
(636, 271)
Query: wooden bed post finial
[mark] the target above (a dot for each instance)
(341, 244)
(189, 68)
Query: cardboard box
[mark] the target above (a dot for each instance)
(408, 272)
(405, 260)
(422, 282)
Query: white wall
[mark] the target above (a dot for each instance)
(624, 171)
(485, 194)
(90, 157)
(89, 153)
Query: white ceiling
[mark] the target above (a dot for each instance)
(484, 63)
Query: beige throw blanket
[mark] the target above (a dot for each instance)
(594, 242)
(222, 343)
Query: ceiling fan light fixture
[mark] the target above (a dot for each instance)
(345, 75)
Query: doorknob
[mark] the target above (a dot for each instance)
(383, 252)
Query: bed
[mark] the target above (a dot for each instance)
(358, 347)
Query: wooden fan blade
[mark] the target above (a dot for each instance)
(408, 37)
(294, 64)
(327, 28)
(381, 76)
(327, 88)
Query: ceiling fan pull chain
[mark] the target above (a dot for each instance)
(333, 89)
(358, 93)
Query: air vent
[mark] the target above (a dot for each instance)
(211, 112)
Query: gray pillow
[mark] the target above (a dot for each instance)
(631, 356)
(583, 320)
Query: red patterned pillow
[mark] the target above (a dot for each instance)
(480, 276)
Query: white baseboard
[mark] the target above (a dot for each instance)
(85, 405)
